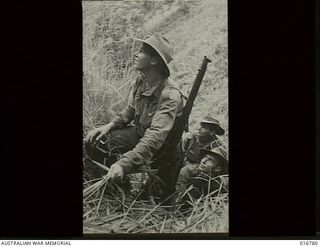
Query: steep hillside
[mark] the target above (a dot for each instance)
(204, 33)
(197, 28)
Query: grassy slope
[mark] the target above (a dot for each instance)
(201, 31)
(204, 34)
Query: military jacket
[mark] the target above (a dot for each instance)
(153, 111)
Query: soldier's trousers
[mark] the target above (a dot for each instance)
(123, 140)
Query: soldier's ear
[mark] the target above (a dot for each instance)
(218, 169)
(154, 61)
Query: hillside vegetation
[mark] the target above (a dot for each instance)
(197, 29)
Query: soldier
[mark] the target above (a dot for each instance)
(205, 138)
(206, 176)
(154, 104)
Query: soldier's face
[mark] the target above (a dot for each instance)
(142, 60)
(208, 164)
(207, 129)
(204, 130)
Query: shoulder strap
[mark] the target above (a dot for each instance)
(171, 84)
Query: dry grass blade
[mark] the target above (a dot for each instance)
(88, 212)
(163, 224)
(91, 181)
(187, 190)
(149, 213)
(101, 166)
(148, 228)
(110, 219)
(92, 189)
(92, 201)
(195, 206)
(90, 193)
(104, 188)
(200, 218)
(125, 215)
(95, 228)
(123, 194)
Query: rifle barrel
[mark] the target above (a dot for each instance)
(192, 96)
(195, 88)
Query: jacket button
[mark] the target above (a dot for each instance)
(150, 114)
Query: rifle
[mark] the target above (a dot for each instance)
(168, 157)
(178, 128)
(167, 153)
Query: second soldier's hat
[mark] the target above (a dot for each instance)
(210, 120)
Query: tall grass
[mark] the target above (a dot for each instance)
(108, 209)
(197, 28)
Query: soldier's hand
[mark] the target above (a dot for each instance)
(96, 134)
(115, 172)
(92, 135)
(105, 130)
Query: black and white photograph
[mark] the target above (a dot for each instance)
(160, 120)
(155, 117)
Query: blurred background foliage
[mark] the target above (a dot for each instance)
(197, 29)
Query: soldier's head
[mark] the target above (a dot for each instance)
(213, 162)
(209, 126)
(155, 53)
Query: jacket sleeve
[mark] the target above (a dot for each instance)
(184, 177)
(170, 104)
(186, 138)
(127, 115)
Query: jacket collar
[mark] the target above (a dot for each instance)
(152, 90)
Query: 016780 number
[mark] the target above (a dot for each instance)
(309, 243)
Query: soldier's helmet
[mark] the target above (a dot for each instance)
(211, 120)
